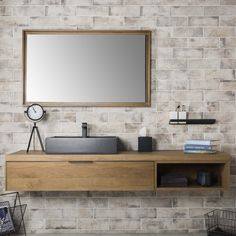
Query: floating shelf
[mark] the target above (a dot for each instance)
(192, 122)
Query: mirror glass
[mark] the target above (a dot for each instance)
(87, 68)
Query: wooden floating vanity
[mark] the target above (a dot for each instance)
(126, 171)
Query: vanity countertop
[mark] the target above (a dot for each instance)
(159, 156)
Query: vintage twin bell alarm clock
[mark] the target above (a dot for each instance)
(35, 113)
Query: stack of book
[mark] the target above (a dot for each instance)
(200, 146)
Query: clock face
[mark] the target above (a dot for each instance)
(35, 112)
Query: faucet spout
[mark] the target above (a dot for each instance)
(84, 130)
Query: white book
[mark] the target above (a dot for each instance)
(200, 141)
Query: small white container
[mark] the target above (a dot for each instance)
(173, 115)
(182, 115)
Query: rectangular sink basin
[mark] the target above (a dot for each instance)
(81, 145)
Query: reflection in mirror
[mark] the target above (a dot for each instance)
(91, 68)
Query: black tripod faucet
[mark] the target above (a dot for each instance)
(84, 130)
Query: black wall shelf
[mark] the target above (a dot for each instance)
(192, 122)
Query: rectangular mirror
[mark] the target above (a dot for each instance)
(87, 68)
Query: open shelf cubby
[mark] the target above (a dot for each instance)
(190, 170)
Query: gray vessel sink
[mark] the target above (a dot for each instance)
(81, 145)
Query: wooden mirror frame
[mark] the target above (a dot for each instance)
(148, 37)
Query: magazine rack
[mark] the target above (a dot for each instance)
(11, 214)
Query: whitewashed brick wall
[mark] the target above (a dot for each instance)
(193, 63)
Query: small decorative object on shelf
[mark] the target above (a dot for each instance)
(200, 146)
(144, 141)
(179, 115)
(11, 214)
(35, 113)
(192, 121)
(220, 223)
(174, 180)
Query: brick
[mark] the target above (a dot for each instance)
(164, 52)
(60, 224)
(57, 203)
(228, 85)
(204, 42)
(5, 116)
(153, 225)
(228, 64)
(188, 202)
(156, 2)
(110, 213)
(228, 42)
(219, 96)
(92, 11)
(172, 21)
(213, 84)
(133, 11)
(21, 138)
(124, 117)
(155, 11)
(197, 224)
(36, 2)
(140, 21)
(81, 213)
(5, 11)
(35, 224)
(204, 2)
(227, 21)
(52, 2)
(142, 213)
(77, 21)
(93, 224)
(187, 53)
(187, 32)
(219, 10)
(45, 213)
(100, 117)
(172, 42)
(92, 202)
(219, 32)
(13, 2)
(187, 11)
(220, 74)
(29, 11)
(179, 64)
(80, 2)
(109, 21)
(219, 202)
(10, 21)
(163, 32)
(124, 224)
(108, 2)
(179, 96)
(6, 53)
(156, 202)
(203, 21)
(60, 11)
(219, 53)
(203, 64)
(227, 2)
(172, 213)
(6, 138)
(124, 202)
(49, 21)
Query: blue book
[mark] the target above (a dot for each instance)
(200, 142)
(197, 147)
(200, 151)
